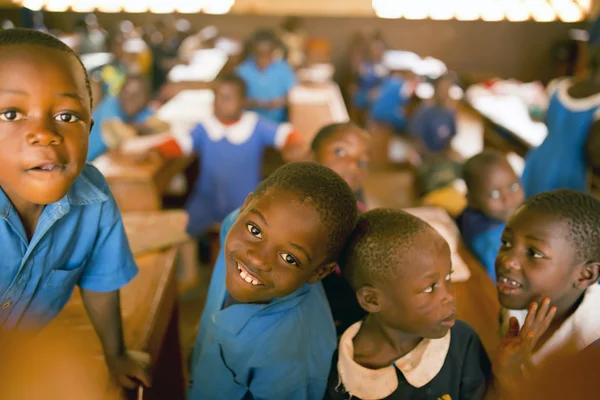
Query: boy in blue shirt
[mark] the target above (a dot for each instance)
(494, 193)
(267, 331)
(59, 224)
(268, 80)
(130, 107)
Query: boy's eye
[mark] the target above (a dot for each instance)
(515, 187)
(254, 231)
(534, 253)
(504, 244)
(10, 115)
(449, 276)
(495, 194)
(66, 117)
(339, 152)
(289, 259)
(430, 288)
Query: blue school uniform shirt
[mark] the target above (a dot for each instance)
(273, 82)
(108, 109)
(388, 107)
(79, 241)
(370, 76)
(279, 350)
(230, 168)
(559, 162)
(434, 125)
(482, 235)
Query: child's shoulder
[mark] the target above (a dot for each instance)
(472, 223)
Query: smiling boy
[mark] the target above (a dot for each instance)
(267, 331)
(59, 224)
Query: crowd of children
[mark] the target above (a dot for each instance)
(313, 295)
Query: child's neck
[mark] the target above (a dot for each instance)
(565, 309)
(378, 346)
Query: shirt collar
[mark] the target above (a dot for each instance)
(419, 367)
(235, 317)
(237, 133)
(578, 331)
(82, 192)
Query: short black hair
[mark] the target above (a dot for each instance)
(582, 213)
(265, 35)
(476, 166)
(374, 252)
(329, 130)
(326, 191)
(236, 80)
(21, 36)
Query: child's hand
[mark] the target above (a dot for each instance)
(130, 369)
(516, 348)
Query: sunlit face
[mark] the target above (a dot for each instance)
(497, 192)
(347, 153)
(420, 299)
(263, 53)
(275, 246)
(536, 260)
(44, 123)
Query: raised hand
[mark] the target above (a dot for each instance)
(515, 350)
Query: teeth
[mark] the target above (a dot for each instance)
(255, 282)
(247, 277)
(510, 282)
(243, 275)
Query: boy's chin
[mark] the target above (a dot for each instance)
(513, 302)
(243, 292)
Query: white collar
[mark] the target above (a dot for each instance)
(236, 133)
(419, 367)
(573, 104)
(578, 331)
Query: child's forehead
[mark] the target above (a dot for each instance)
(534, 223)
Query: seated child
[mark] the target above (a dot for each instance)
(433, 124)
(388, 107)
(343, 147)
(494, 193)
(550, 248)
(371, 72)
(410, 345)
(231, 144)
(266, 331)
(268, 80)
(59, 224)
(130, 107)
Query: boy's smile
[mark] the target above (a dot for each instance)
(44, 124)
(275, 246)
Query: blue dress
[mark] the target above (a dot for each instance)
(231, 160)
(388, 107)
(559, 163)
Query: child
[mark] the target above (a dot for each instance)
(494, 193)
(410, 345)
(550, 248)
(231, 144)
(343, 147)
(433, 125)
(268, 80)
(266, 331)
(388, 107)
(573, 112)
(371, 72)
(59, 224)
(129, 107)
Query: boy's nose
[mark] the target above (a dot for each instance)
(507, 261)
(43, 134)
(256, 261)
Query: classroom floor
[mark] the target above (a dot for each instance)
(392, 188)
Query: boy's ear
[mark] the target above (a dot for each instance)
(589, 275)
(321, 272)
(91, 126)
(369, 299)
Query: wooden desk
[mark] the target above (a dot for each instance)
(477, 303)
(150, 318)
(314, 106)
(139, 186)
(507, 125)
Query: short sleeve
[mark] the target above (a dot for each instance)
(189, 139)
(111, 264)
(476, 371)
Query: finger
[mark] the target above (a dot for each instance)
(143, 375)
(531, 314)
(126, 382)
(542, 313)
(543, 326)
(513, 328)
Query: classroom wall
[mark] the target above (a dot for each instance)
(507, 49)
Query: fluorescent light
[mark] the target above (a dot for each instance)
(388, 9)
(34, 5)
(57, 5)
(135, 6)
(217, 6)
